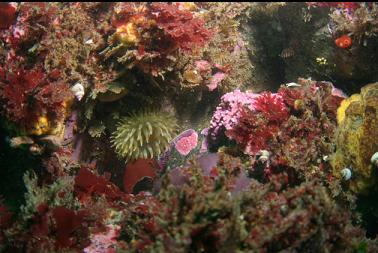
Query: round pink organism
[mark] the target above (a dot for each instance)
(187, 143)
(216, 80)
(203, 65)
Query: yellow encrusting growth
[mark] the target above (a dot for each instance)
(344, 105)
(45, 126)
(356, 138)
(190, 6)
(128, 33)
(40, 127)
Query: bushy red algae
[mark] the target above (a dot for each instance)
(67, 221)
(184, 30)
(29, 94)
(87, 183)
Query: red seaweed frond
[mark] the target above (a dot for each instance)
(5, 217)
(136, 171)
(29, 94)
(67, 221)
(272, 106)
(253, 132)
(7, 15)
(125, 12)
(32, 23)
(184, 30)
(290, 94)
(87, 183)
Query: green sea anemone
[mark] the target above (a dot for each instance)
(144, 135)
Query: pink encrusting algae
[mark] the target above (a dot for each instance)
(104, 242)
(185, 144)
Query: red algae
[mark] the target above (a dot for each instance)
(183, 29)
(29, 94)
(137, 170)
(67, 221)
(7, 15)
(264, 179)
(87, 183)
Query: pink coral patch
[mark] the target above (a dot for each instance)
(187, 144)
(202, 65)
(216, 80)
(104, 242)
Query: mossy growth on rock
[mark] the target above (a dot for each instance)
(143, 135)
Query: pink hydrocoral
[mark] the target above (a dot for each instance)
(227, 114)
(29, 94)
(104, 242)
(256, 125)
(184, 30)
(202, 65)
(216, 79)
(295, 125)
(187, 143)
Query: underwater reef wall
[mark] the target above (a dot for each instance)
(325, 41)
(188, 127)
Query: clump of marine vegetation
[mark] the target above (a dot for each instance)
(188, 127)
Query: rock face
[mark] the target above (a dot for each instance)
(356, 138)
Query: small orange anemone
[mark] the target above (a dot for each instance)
(344, 41)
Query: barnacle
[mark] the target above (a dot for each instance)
(144, 135)
(346, 174)
(374, 159)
